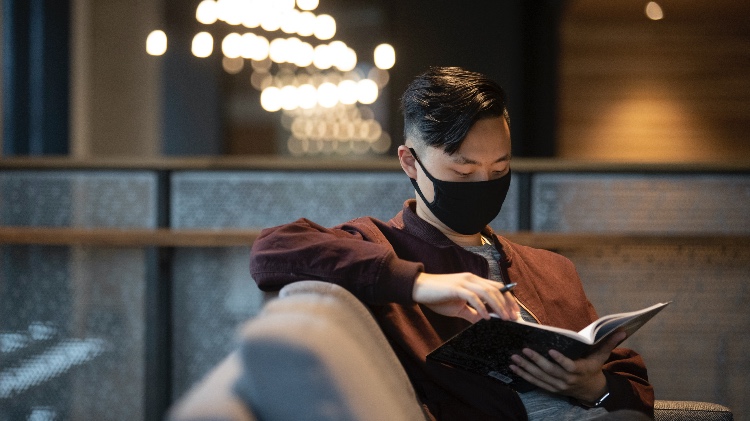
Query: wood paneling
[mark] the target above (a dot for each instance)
(164, 237)
(632, 89)
(737, 164)
(110, 237)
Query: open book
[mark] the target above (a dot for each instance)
(486, 346)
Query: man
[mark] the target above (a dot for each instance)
(436, 267)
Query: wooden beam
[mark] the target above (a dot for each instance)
(113, 237)
(163, 237)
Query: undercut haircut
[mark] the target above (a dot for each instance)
(442, 104)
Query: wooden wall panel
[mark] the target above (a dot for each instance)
(633, 89)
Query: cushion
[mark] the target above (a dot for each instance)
(313, 355)
(213, 398)
(690, 411)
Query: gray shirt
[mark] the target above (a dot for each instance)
(540, 404)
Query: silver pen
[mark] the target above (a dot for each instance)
(508, 287)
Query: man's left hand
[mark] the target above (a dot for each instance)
(581, 379)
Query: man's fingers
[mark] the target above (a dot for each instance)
(452, 294)
(470, 314)
(532, 373)
(489, 291)
(564, 362)
(475, 302)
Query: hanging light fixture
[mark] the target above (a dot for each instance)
(315, 81)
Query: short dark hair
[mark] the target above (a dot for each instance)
(442, 104)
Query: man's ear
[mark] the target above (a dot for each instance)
(408, 163)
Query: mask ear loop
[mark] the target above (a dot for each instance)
(427, 173)
(414, 181)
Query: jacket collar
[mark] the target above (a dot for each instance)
(409, 221)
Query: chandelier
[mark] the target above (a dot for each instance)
(316, 82)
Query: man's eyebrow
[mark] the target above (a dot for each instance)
(462, 160)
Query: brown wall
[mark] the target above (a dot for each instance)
(115, 97)
(633, 89)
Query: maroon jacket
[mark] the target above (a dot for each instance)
(378, 263)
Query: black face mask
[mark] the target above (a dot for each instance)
(465, 207)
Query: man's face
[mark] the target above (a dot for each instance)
(483, 155)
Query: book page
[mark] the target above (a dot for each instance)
(601, 327)
(569, 333)
(629, 322)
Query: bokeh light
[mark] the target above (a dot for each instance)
(232, 65)
(270, 99)
(207, 12)
(307, 4)
(367, 91)
(325, 27)
(321, 89)
(328, 95)
(203, 45)
(156, 43)
(384, 56)
(231, 46)
(654, 11)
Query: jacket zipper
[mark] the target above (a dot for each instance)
(504, 277)
(527, 309)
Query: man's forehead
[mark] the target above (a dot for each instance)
(459, 158)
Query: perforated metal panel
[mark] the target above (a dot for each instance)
(123, 199)
(73, 319)
(265, 199)
(72, 326)
(697, 348)
(641, 203)
(213, 294)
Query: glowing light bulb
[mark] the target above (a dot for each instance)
(385, 56)
(283, 5)
(305, 24)
(325, 27)
(270, 99)
(260, 49)
(328, 95)
(207, 12)
(654, 11)
(271, 21)
(231, 46)
(347, 61)
(289, 98)
(247, 42)
(367, 91)
(228, 11)
(322, 57)
(348, 93)
(304, 54)
(156, 43)
(278, 50)
(203, 44)
(308, 96)
(307, 4)
(290, 21)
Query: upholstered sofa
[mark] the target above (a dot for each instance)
(316, 353)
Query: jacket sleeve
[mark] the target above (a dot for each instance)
(354, 255)
(627, 381)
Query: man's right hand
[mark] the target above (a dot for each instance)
(464, 295)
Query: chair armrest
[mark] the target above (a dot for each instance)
(213, 398)
(316, 353)
(690, 411)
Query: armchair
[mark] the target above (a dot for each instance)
(316, 353)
